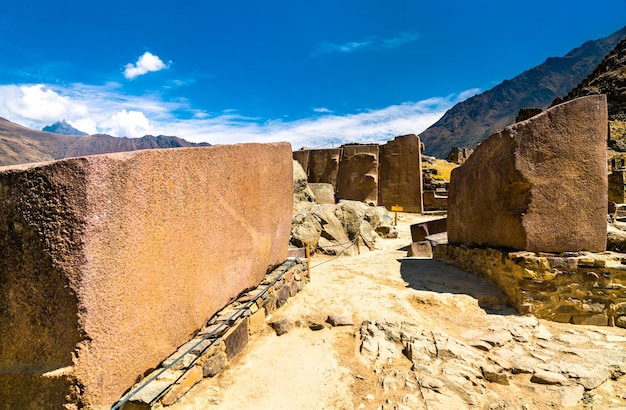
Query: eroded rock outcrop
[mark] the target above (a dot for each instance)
(538, 185)
(336, 229)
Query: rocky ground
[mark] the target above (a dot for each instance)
(414, 334)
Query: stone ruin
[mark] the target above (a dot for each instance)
(528, 210)
(387, 175)
(538, 185)
(344, 228)
(110, 262)
(459, 155)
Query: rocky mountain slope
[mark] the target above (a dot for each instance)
(62, 127)
(19, 145)
(471, 121)
(608, 78)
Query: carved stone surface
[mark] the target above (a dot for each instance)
(108, 263)
(358, 174)
(538, 185)
(324, 165)
(400, 173)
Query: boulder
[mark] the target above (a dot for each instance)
(616, 239)
(333, 240)
(350, 218)
(305, 228)
(538, 185)
(368, 235)
(301, 190)
(378, 216)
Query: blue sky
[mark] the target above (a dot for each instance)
(312, 73)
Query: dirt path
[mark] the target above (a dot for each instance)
(425, 335)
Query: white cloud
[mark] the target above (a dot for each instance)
(147, 62)
(374, 43)
(133, 124)
(29, 104)
(322, 110)
(103, 109)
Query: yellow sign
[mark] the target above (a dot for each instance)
(397, 208)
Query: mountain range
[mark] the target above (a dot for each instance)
(469, 122)
(19, 145)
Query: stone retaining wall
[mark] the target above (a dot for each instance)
(574, 287)
(224, 336)
(110, 262)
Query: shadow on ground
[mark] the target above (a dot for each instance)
(435, 275)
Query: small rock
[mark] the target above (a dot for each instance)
(338, 320)
(571, 395)
(431, 383)
(214, 364)
(495, 375)
(546, 377)
(281, 326)
(497, 338)
(316, 325)
(482, 345)
(369, 397)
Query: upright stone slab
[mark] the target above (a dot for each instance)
(108, 263)
(324, 165)
(617, 183)
(302, 156)
(538, 185)
(400, 174)
(357, 177)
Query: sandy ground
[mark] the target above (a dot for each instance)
(324, 369)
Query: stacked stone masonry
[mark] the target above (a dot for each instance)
(215, 345)
(572, 287)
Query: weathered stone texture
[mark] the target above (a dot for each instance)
(617, 182)
(357, 178)
(110, 262)
(537, 185)
(324, 165)
(323, 193)
(584, 288)
(400, 173)
(302, 156)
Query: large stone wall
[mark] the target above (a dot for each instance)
(111, 262)
(387, 175)
(538, 185)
